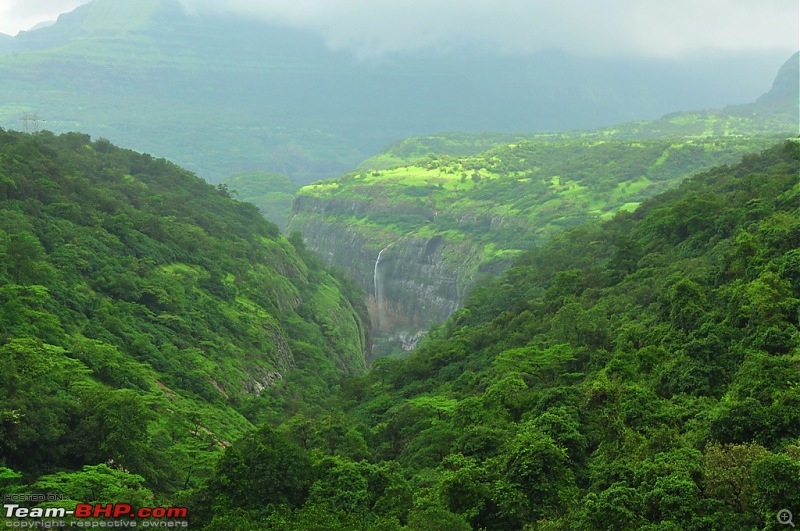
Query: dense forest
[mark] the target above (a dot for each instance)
(636, 373)
(404, 266)
(162, 344)
(142, 314)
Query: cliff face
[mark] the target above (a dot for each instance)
(417, 237)
(785, 88)
(412, 285)
(411, 281)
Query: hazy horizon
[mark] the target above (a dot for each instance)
(310, 88)
(632, 28)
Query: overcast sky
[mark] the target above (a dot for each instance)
(664, 28)
(16, 15)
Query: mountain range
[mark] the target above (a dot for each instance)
(222, 95)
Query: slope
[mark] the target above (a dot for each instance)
(146, 318)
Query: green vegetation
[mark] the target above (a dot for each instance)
(270, 192)
(456, 144)
(147, 319)
(471, 215)
(162, 344)
(635, 373)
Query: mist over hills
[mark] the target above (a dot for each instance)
(786, 88)
(222, 94)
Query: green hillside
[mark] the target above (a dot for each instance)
(545, 184)
(411, 149)
(635, 373)
(147, 318)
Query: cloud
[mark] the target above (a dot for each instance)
(661, 28)
(368, 28)
(16, 15)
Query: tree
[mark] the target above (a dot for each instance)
(617, 508)
(341, 486)
(436, 519)
(535, 479)
(777, 481)
(465, 489)
(728, 478)
(98, 484)
(258, 474)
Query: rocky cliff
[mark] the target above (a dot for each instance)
(417, 237)
(411, 280)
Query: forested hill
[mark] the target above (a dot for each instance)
(142, 314)
(637, 373)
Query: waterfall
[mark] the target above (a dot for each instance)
(378, 295)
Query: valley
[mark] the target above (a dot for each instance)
(363, 266)
(626, 373)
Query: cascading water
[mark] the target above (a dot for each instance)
(378, 292)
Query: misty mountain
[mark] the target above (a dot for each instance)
(224, 94)
(785, 88)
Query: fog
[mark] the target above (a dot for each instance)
(583, 27)
(366, 28)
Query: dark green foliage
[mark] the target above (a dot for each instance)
(631, 374)
(146, 317)
(635, 374)
(262, 470)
